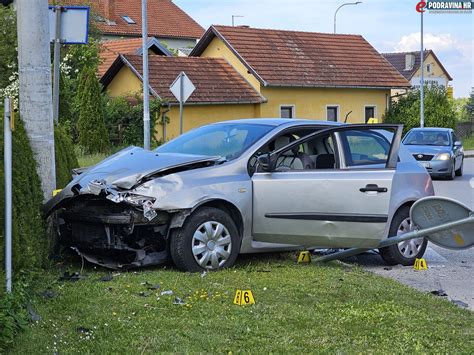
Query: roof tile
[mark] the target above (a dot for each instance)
(216, 81)
(165, 19)
(294, 58)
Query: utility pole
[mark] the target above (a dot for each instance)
(146, 90)
(34, 67)
(422, 82)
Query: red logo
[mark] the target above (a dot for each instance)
(420, 7)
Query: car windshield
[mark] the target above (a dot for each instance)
(430, 137)
(225, 140)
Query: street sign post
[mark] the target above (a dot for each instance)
(67, 25)
(182, 88)
(7, 131)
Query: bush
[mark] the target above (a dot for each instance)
(89, 103)
(439, 111)
(30, 246)
(13, 313)
(127, 113)
(66, 159)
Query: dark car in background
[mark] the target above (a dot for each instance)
(437, 149)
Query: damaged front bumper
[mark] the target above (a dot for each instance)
(112, 228)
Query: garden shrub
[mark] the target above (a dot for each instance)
(89, 103)
(66, 159)
(30, 245)
(439, 110)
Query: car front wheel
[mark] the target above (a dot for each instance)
(208, 240)
(405, 252)
(460, 170)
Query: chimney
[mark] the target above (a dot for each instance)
(109, 11)
(409, 61)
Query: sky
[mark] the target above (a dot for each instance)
(389, 25)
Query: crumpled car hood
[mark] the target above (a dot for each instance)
(128, 167)
(125, 170)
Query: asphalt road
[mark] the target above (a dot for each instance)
(448, 270)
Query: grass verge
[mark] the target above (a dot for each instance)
(313, 308)
(468, 143)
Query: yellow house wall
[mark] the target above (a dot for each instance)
(124, 83)
(437, 71)
(217, 49)
(200, 115)
(311, 102)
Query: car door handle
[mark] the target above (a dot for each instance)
(373, 187)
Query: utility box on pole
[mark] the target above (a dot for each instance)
(36, 106)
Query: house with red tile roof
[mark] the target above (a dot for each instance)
(111, 49)
(242, 72)
(117, 19)
(221, 92)
(336, 77)
(408, 64)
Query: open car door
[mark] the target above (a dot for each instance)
(341, 200)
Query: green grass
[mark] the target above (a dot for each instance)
(308, 308)
(86, 160)
(468, 143)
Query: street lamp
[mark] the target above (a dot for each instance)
(347, 3)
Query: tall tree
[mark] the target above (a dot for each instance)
(89, 102)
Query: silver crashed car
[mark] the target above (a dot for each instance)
(245, 186)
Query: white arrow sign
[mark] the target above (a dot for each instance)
(187, 89)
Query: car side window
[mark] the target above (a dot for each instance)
(364, 148)
(317, 153)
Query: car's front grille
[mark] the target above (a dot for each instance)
(423, 157)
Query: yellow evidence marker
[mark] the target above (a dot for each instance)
(420, 264)
(243, 298)
(55, 192)
(304, 257)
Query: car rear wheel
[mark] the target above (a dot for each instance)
(461, 168)
(405, 252)
(208, 240)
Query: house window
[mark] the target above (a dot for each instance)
(369, 113)
(128, 20)
(287, 111)
(429, 68)
(332, 113)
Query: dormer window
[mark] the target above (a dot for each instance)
(128, 20)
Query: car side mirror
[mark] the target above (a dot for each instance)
(265, 162)
(457, 143)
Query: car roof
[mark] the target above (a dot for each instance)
(431, 129)
(280, 121)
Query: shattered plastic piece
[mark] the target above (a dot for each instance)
(144, 294)
(440, 293)
(460, 303)
(166, 293)
(148, 211)
(34, 317)
(106, 278)
(203, 274)
(95, 187)
(83, 330)
(49, 294)
(154, 287)
(179, 301)
(75, 276)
